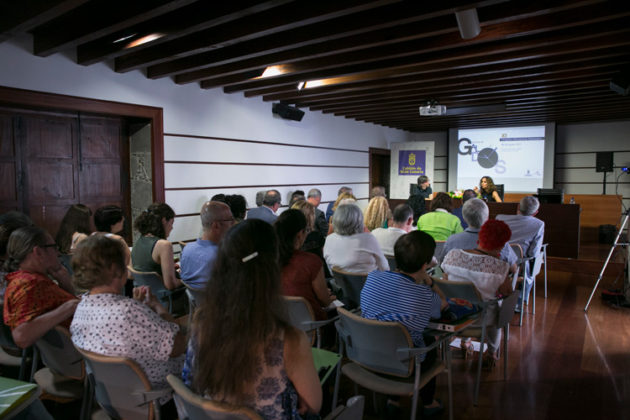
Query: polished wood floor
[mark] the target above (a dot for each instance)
(563, 363)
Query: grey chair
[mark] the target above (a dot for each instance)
(64, 376)
(195, 297)
(391, 260)
(384, 360)
(301, 316)
(526, 265)
(152, 279)
(200, 408)
(353, 409)
(121, 387)
(351, 285)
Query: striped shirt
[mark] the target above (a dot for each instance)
(392, 296)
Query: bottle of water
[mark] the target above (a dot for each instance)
(572, 200)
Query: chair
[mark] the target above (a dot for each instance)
(524, 264)
(351, 285)
(543, 252)
(378, 348)
(200, 408)
(391, 260)
(64, 375)
(301, 316)
(156, 284)
(195, 297)
(353, 409)
(12, 355)
(439, 248)
(500, 190)
(467, 290)
(121, 388)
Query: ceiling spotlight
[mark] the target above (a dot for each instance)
(144, 40)
(124, 38)
(300, 85)
(468, 23)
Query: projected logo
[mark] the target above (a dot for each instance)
(487, 157)
(412, 162)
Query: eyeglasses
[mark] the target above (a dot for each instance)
(55, 246)
(225, 220)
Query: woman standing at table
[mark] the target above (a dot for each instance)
(488, 191)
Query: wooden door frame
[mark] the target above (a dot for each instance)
(51, 101)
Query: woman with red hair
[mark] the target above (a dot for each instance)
(485, 269)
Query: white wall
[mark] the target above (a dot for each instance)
(191, 111)
(440, 164)
(576, 147)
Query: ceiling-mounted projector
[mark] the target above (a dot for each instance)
(432, 110)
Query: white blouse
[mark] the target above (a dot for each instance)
(358, 253)
(484, 271)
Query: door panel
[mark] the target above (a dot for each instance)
(9, 167)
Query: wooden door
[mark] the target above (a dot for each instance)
(52, 160)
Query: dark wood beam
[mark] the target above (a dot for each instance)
(17, 17)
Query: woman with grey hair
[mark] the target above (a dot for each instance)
(349, 247)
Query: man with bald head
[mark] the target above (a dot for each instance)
(198, 257)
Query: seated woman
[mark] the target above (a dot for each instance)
(487, 190)
(75, 227)
(242, 350)
(151, 251)
(33, 303)
(439, 222)
(9, 222)
(349, 247)
(485, 269)
(315, 240)
(238, 206)
(302, 272)
(108, 323)
(377, 213)
(109, 221)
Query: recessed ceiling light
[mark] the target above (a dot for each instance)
(124, 38)
(144, 40)
(276, 70)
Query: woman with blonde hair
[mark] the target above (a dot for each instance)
(377, 214)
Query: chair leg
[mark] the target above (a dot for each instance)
(479, 363)
(86, 404)
(506, 332)
(336, 391)
(35, 363)
(26, 353)
(416, 391)
(545, 262)
(450, 383)
(520, 323)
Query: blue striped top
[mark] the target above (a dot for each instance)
(392, 296)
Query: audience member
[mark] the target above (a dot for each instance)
(9, 222)
(349, 247)
(260, 196)
(110, 324)
(439, 222)
(314, 242)
(242, 350)
(528, 232)
(418, 203)
(378, 191)
(238, 206)
(476, 213)
(198, 257)
(330, 210)
(377, 213)
(33, 303)
(321, 223)
(109, 221)
(218, 197)
(484, 268)
(401, 224)
(302, 272)
(75, 227)
(270, 205)
(409, 297)
(151, 251)
(297, 195)
(488, 191)
(466, 195)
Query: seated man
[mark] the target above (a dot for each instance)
(198, 257)
(467, 195)
(402, 224)
(270, 205)
(329, 209)
(475, 212)
(528, 232)
(321, 223)
(408, 297)
(33, 303)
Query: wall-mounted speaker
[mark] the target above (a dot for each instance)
(604, 162)
(287, 112)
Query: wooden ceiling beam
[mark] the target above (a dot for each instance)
(187, 20)
(593, 37)
(271, 21)
(411, 38)
(314, 34)
(505, 70)
(80, 25)
(18, 17)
